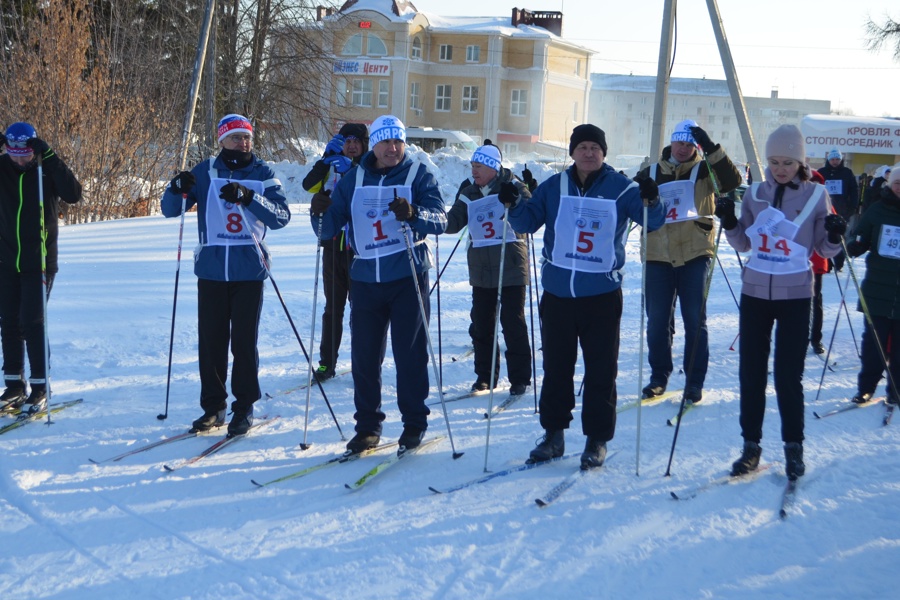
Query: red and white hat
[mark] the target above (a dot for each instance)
(234, 124)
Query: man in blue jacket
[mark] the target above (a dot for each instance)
(391, 203)
(237, 198)
(585, 211)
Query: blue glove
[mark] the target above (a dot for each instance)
(335, 146)
(339, 162)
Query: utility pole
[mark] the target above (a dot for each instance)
(662, 86)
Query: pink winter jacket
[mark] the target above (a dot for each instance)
(812, 235)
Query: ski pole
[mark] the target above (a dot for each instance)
(165, 414)
(441, 273)
(312, 332)
(494, 350)
(725, 275)
(833, 333)
(865, 308)
(265, 264)
(531, 317)
(847, 312)
(637, 459)
(45, 283)
(437, 260)
(407, 233)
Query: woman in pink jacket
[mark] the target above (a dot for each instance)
(783, 220)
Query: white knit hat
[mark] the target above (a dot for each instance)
(895, 174)
(488, 156)
(387, 127)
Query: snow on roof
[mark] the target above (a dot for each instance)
(645, 83)
(399, 11)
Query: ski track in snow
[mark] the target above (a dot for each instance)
(74, 530)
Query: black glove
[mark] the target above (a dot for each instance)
(183, 183)
(725, 212)
(702, 139)
(2, 140)
(528, 178)
(402, 209)
(509, 194)
(234, 192)
(856, 248)
(649, 192)
(38, 146)
(320, 202)
(836, 227)
(335, 146)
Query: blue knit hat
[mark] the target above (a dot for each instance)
(17, 136)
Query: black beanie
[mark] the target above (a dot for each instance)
(587, 133)
(357, 130)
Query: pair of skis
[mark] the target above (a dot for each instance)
(787, 497)
(302, 386)
(885, 419)
(24, 418)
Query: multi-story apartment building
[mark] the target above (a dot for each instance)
(513, 80)
(622, 105)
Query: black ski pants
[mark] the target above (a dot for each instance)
(515, 333)
(336, 257)
(593, 323)
(22, 322)
(757, 319)
(228, 312)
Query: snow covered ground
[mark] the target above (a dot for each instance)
(76, 530)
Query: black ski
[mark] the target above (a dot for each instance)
(720, 481)
(219, 445)
(523, 467)
(846, 407)
(787, 498)
(567, 483)
(507, 402)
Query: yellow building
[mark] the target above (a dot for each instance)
(513, 80)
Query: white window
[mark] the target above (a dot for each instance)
(383, 92)
(473, 54)
(446, 52)
(470, 98)
(510, 149)
(712, 103)
(415, 100)
(725, 135)
(353, 46)
(711, 120)
(519, 105)
(362, 92)
(726, 120)
(375, 46)
(416, 52)
(342, 91)
(442, 95)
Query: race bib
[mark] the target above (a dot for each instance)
(226, 225)
(773, 250)
(376, 231)
(835, 187)
(889, 241)
(585, 228)
(486, 222)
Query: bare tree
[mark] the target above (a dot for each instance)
(887, 34)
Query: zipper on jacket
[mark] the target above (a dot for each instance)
(19, 223)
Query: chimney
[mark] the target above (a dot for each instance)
(774, 93)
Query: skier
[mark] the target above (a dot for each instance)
(679, 255)
(878, 234)
(230, 273)
(843, 189)
(585, 211)
(383, 198)
(783, 219)
(21, 248)
(341, 153)
(478, 207)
